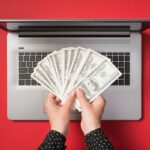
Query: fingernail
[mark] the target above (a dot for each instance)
(72, 93)
(79, 89)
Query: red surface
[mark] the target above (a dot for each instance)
(125, 135)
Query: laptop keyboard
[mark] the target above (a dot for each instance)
(29, 60)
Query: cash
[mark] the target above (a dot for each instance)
(64, 70)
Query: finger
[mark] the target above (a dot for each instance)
(70, 100)
(50, 103)
(51, 96)
(81, 97)
(57, 100)
(99, 103)
(50, 100)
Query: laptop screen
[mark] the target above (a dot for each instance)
(100, 25)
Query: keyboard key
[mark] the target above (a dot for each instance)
(115, 63)
(45, 53)
(115, 58)
(122, 76)
(38, 58)
(34, 82)
(29, 64)
(24, 76)
(21, 53)
(26, 58)
(43, 56)
(39, 53)
(127, 79)
(115, 83)
(32, 53)
(27, 53)
(103, 53)
(127, 58)
(127, 67)
(30, 70)
(32, 58)
(22, 70)
(121, 58)
(35, 64)
(22, 64)
(28, 82)
(115, 53)
(110, 57)
(109, 53)
(121, 64)
(121, 70)
(121, 82)
(21, 82)
(121, 53)
(20, 58)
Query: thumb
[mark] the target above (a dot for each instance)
(50, 98)
(99, 103)
(70, 100)
(81, 97)
(49, 102)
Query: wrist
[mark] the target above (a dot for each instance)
(89, 128)
(60, 129)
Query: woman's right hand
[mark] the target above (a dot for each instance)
(91, 113)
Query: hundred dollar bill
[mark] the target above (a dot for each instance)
(70, 57)
(53, 67)
(47, 77)
(78, 64)
(67, 52)
(48, 70)
(70, 54)
(58, 60)
(37, 77)
(99, 80)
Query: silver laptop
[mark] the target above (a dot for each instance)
(29, 41)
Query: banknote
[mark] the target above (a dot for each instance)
(78, 64)
(71, 55)
(52, 64)
(37, 77)
(48, 70)
(67, 52)
(48, 78)
(58, 60)
(99, 80)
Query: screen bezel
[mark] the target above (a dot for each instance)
(145, 23)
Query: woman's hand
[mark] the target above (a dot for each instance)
(91, 113)
(59, 116)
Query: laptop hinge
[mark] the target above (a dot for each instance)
(74, 31)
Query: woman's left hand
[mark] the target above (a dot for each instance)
(59, 115)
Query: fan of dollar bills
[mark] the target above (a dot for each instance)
(63, 70)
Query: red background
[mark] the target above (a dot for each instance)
(125, 135)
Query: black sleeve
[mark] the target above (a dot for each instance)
(97, 140)
(53, 141)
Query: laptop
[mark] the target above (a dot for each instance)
(29, 41)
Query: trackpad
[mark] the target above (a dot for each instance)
(45, 93)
